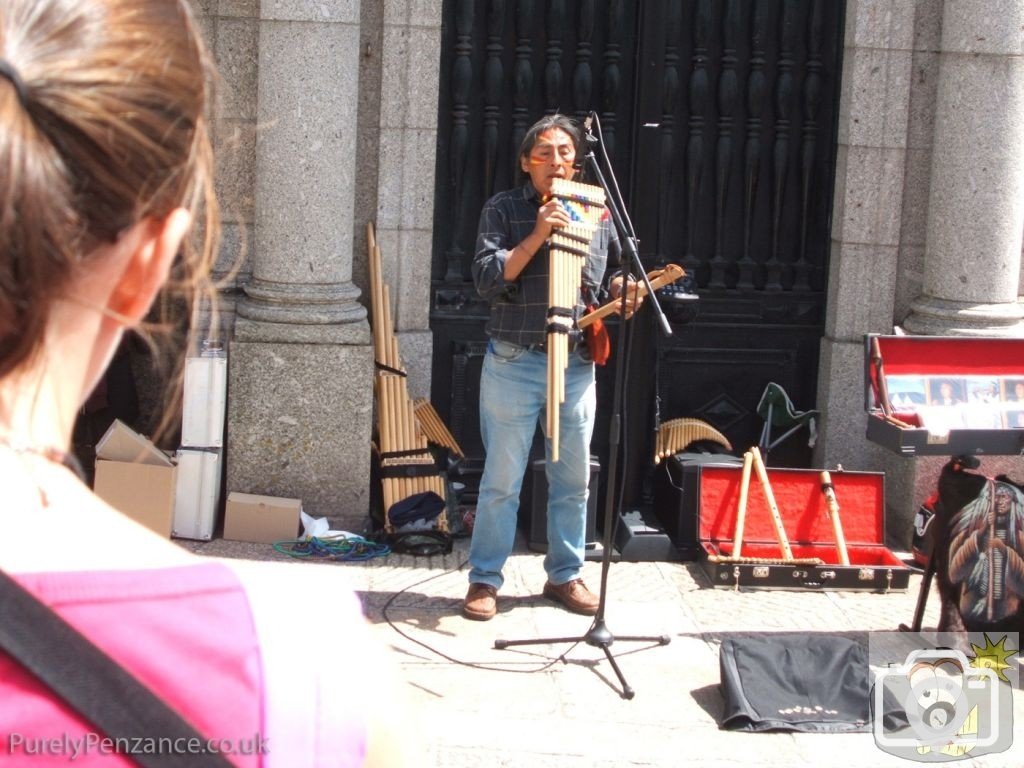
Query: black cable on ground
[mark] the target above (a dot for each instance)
(446, 657)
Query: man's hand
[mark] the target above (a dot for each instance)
(550, 216)
(633, 298)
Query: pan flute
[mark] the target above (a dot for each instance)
(568, 250)
(676, 434)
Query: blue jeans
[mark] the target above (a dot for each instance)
(513, 397)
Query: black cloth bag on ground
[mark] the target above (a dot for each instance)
(790, 682)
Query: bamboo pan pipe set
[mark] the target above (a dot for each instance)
(569, 247)
(404, 426)
(675, 434)
(434, 428)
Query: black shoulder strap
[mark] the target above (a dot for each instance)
(93, 684)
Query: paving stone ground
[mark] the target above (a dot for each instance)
(559, 704)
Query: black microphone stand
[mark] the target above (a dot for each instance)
(599, 635)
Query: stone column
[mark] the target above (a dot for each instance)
(301, 396)
(976, 205)
(871, 152)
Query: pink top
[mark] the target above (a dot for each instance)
(220, 645)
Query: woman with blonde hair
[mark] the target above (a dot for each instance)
(105, 171)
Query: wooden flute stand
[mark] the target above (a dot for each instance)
(752, 461)
(599, 635)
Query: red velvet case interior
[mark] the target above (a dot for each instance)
(801, 503)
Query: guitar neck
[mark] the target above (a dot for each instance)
(657, 279)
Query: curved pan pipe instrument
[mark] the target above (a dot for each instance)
(435, 429)
(657, 279)
(568, 251)
(675, 434)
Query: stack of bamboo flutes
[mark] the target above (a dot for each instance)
(406, 463)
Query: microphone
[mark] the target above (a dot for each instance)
(588, 136)
(588, 142)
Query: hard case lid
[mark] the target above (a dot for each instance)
(933, 395)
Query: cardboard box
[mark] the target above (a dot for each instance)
(121, 443)
(261, 519)
(136, 478)
(143, 492)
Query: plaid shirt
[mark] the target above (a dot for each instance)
(519, 308)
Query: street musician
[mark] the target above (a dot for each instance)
(511, 269)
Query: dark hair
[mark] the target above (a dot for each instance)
(111, 130)
(546, 123)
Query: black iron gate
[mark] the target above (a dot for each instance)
(719, 117)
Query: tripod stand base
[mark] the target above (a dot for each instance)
(598, 636)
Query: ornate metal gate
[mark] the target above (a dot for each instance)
(719, 117)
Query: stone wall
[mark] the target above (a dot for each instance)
(870, 193)
(892, 227)
(407, 135)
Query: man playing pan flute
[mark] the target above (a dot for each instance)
(511, 271)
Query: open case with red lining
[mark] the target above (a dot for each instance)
(945, 395)
(803, 508)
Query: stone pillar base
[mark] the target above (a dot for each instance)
(300, 417)
(942, 317)
(302, 304)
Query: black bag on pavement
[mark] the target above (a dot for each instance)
(795, 682)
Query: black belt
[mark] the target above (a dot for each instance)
(574, 345)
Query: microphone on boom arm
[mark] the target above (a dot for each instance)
(588, 143)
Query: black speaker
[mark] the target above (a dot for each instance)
(533, 508)
(639, 538)
(677, 498)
